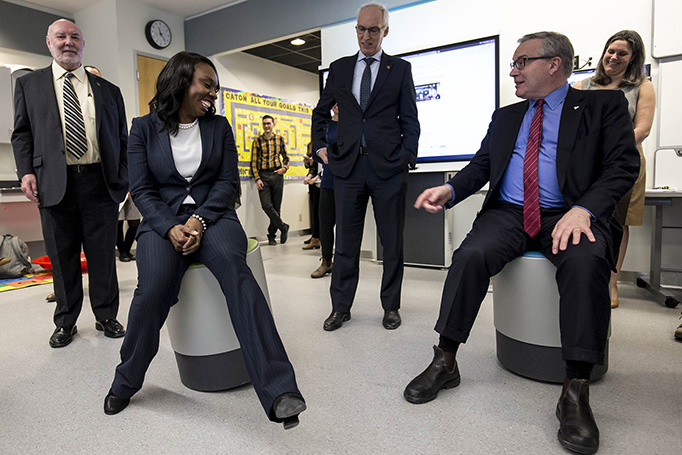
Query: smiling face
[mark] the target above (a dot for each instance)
(371, 18)
(617, 58)
(537, 79)
(200, 95)
(66, 44)
(268, 126)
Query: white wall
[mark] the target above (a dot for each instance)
(241, 71)
(449, 21)
(114, 34)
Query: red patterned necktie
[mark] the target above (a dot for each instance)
(531, 197)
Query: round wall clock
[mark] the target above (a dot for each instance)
(158, 34)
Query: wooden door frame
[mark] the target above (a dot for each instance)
(136, 75)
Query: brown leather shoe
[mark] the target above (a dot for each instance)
(51, 298)
(678, 333)
(323, 269)
(314, 244)
(435, 378)
(578, 431)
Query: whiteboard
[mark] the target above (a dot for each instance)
(666, 39)
(670, 103)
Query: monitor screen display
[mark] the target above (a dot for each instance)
(457, 88)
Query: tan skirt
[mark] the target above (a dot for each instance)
(631, 207)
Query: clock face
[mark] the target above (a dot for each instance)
(158, 34)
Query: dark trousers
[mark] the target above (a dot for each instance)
(314, 208)
(160, 271)
(388, 199)
(271, 199)
(327, 222)
(125, 241)
(583, 274)
(86, 216)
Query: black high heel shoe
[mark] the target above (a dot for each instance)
(287, 407)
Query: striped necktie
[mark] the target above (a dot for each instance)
(531, 189)
(76, 141)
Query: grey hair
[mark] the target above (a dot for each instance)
(554, 45)
(382, 8)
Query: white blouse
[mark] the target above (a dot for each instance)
(186, 148)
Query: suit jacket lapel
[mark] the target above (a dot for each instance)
(512, 127)
(96, 88)
(164, 141)
(206, 127)
(568, 128)
(384, 70)
(50, 94)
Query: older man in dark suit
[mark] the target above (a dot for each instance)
(70, 137)
(377, 141)
(557, 165)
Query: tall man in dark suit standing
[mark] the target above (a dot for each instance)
(557, 165)
(69, 140)
(377, 143)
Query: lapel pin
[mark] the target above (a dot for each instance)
(388, 67)
(576, 107)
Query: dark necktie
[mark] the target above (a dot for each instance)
(366, 83)
(531, 196)
(76, 142)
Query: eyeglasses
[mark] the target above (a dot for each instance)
(520, 63)
(373, 31)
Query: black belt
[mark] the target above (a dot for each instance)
(83, 168)
(364, 150)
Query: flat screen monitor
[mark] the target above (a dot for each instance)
(457, 88)
(580, 75)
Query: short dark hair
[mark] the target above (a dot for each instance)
(634, 74)
(554, 45)
(268, 116)
(171, 86)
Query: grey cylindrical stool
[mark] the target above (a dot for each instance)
(206, 348)
(526, 315)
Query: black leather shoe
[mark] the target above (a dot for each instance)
(62, 336)
(130, 255)
(284, 235)
(435, 378)
(271, 241)
(391, 320)
(111, 327)
(577, 429)
(123, 257)
(335, 320)
(113, 404)
(287, 407)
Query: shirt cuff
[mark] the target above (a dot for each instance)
(452, 190)
(592, 217)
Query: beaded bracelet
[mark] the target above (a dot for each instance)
(201, 220)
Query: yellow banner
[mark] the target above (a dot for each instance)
(245, 110)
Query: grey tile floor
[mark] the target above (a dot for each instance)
(51, 399)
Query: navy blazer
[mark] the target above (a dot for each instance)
(597, 160)
(389, 122)
(157, 187)
(38, 139)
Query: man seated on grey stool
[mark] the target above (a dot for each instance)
(557, 164)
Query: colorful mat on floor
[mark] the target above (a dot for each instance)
(26, 281)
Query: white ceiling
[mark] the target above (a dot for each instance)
(182, 8)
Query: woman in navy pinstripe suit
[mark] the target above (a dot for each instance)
(183, 172)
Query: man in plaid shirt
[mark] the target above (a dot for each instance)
(269, 163)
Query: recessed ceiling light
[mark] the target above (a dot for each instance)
(298, 42)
